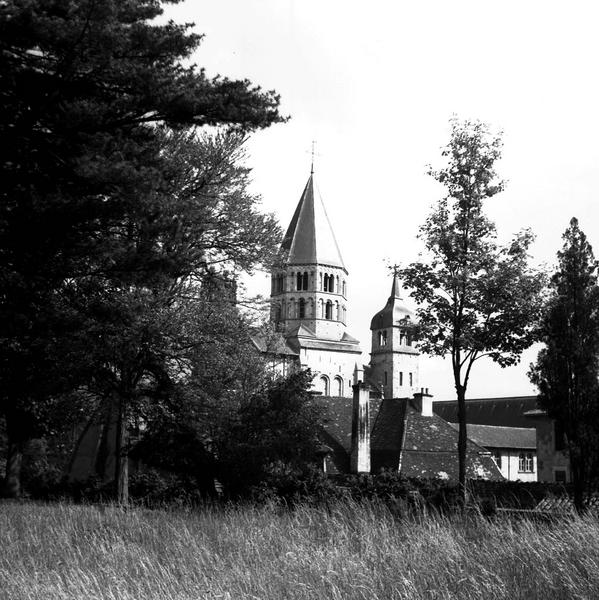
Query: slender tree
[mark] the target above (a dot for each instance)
(567, 369)
(86, 88)
(476, 299)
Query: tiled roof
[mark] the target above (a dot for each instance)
(310, 238)
(337, 418)
(402, 439)
(505, 412)
(430, 450)
(494, 436)
(274, 344)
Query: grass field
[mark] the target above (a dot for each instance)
(350, 551)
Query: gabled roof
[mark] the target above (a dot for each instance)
(506, 412)
(310, 238)
(494, 436)
(423, 447)
(402, 439)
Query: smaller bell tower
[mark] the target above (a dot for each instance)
(393, 358)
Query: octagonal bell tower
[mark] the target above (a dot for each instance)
(309, 292)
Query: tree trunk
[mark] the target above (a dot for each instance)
(14, 460)
(462, 442)
(121, 478)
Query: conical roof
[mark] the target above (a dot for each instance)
(395, 310)
(310, 238)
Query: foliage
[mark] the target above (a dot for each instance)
(93, 227)
(476, 299)
(567, 368)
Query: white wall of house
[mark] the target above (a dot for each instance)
(516, 464)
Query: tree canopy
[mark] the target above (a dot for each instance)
(567, 369)
(476, 298)
(110, 203)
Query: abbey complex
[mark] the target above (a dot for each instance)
(378, 415)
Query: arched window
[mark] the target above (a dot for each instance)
(329, 310)
(344, 288)
(310, 309)
(383, 338)
(344, 315)
(400, 378)
(338, 386)
(305, 280)
(320, 281)
(302, 308)
(337, 313)
(299, 281)
(326, 283)
(324, 385)
(337, 288)
(320, 309)
(291, 310)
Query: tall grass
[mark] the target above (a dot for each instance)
(344, 552)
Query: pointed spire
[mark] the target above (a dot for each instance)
(310, 238)
(395, 287)
(395, 310)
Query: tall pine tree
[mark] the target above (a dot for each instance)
(86, 88)
(567, 369)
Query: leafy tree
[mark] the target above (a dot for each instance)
(86, 89)
(151, 307)
(477, 299)
(567, 369)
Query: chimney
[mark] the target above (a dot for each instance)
(423, 402)
(358, 374)
(360, 434)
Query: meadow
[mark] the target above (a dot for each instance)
(344, 551)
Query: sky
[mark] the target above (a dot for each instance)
(375, 84)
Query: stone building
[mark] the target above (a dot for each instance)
(309, 297)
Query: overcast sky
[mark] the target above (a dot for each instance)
(375, 83)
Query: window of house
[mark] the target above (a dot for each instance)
(302, 308)
(320, 281)
(382, 338)
(299, 281)
(344, 288)
(326, 283)
(339, 386)
(324, 383)
(328, 310)
(525, 462)
(305, 280)
(400, 378)
(560, 476)
(411, 380)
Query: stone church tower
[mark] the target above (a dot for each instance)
(394, 359)
(309, 297)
